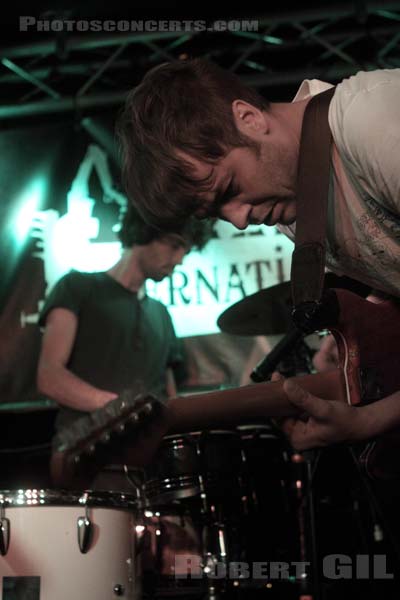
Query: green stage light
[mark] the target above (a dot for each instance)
(27, 205)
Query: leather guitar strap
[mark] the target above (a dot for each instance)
(308, 259)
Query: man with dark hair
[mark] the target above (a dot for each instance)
(196, 130)
(181, 111)
(103, 334)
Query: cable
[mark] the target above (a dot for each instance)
(25, 449)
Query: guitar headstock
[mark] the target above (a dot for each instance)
(104, 435)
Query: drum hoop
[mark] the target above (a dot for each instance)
(196, 434)
(255, 426)
(48, 497)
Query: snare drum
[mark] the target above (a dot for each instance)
(59, 546)
(189, 464)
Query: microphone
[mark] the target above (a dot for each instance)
(265, 368)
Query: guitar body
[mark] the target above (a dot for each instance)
(368, 339)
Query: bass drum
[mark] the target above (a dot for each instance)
(59, 546)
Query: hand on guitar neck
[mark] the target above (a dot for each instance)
(319, 422)
(327, 422)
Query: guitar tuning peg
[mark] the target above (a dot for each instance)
(91, 449)
(105, 437)
(134, 417)
(121, 428)
(77, 459)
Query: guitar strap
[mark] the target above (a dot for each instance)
(308, 259)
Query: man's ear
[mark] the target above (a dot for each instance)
(249, 119)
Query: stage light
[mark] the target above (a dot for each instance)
(28, 203)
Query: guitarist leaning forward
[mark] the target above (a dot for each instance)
(226, 152)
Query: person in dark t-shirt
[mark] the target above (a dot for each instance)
(103, 334)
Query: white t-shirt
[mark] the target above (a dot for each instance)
(363, 230)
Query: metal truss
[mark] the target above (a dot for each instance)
(66, 72)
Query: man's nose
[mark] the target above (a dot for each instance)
(178, 259)
(237, 215)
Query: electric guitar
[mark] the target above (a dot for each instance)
(368, 339)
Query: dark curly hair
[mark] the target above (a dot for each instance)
(135, 231)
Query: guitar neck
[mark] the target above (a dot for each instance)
(237, 405)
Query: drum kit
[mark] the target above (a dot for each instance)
(208, 500)
(60, 545)
(229, 493)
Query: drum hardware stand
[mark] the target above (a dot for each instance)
(382, 527)
(140, 527)
(4, 531)
(214, 533)
(290, 357)
(214, 546)
(310, 588)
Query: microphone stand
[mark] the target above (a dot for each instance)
(291, 356)
(265, 368)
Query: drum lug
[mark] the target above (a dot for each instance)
(118, 589)
(4, 535)
(85, 530)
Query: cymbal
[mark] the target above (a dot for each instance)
(268, 312)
